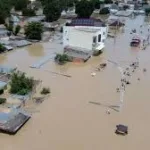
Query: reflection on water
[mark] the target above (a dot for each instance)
(36, 50)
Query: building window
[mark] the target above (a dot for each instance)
(99, 38)
(103, 33)
(94, 39)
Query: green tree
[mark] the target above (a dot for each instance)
(17, 30)
(20, 84)
(52, 10)
(10, 27)
(5, 7)
(70, 3)
(20, 4)
(28, 12)
(125, 7)
(84, 8)
(96, 4)
(108, 1)
(61, 58)
(34, 31)
(104, 11)
(2, 49)
(144, 2)
(147, 11)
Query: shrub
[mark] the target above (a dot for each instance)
(108, 1)
(2, 49)
(1, 91)
(20, 84)
(125, 7)
(34, 30)
(147, 11)
(62, 58)
(17, 29)
(104, 11)
(45, 91)
(28, 12)
(2, 100)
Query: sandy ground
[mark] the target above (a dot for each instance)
(68, 119)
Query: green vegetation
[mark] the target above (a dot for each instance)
(2, 100)
(28, 12)
(144, 2)
(45, 91)
(20, 4)
(84, 8)
(5, 7)
(17, 30)
(108, 1)
(20, 84)
(104, 11)
(2, 49)
(125, 7)
(34, 31)
(147, 11)
(96, 4)
(1, 91)
(62, 58)
(52, 10)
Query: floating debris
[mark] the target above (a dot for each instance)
(93, 74)
(127, 82)
(117, 89)
(144, 70)
(108, 111)
(103, 65)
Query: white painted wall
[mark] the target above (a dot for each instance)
(83, 39)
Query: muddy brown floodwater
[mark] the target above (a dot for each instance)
(74, 117)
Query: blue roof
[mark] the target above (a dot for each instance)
(86, 22)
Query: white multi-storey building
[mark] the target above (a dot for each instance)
(85, 35)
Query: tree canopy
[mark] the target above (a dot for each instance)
(52, 10)
(20, 4)
(84, 8)
(96, 4)
(34, 31)
(28, 12)
(5, 7)
(20, 84)
(104, 11)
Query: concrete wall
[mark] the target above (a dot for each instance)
(81, 38)
(78, 38)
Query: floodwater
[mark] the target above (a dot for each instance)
(74, 117)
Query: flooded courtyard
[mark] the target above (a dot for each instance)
(74, 117)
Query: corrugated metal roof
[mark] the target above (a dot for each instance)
(86, 22)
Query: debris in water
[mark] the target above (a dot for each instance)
(117, 89)
(103, 65)
(127, 82)
(108, 111)
(144, 70)
(93, 74)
